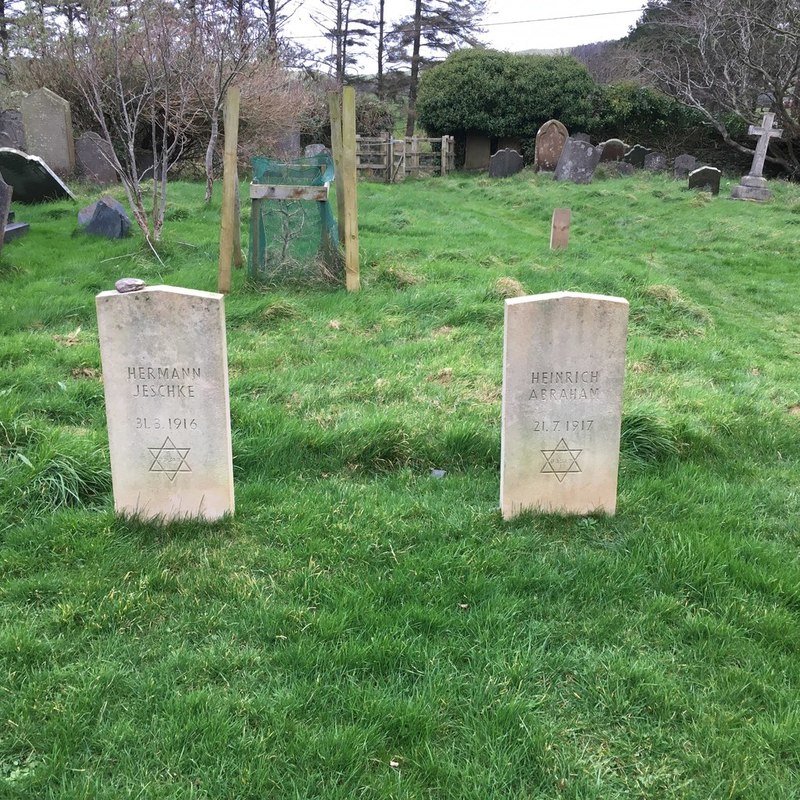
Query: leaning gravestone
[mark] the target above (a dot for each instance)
(165, 377)
(636, 155)
(505, 163)
(706, 179)
(563, 370)
(655, 162)
(32, 179)
(753, 186)
(613, 150)
(550, 141)
(683, 165)
(578, 162)
(48, 129)
(93, 156)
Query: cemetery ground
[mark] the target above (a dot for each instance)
(360, 627)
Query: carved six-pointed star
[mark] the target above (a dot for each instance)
(561, 460)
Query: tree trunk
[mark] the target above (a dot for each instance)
(212, 146)
(412, 89)
(381, 27)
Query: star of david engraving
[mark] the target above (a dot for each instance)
(561, 461)
(169, 459)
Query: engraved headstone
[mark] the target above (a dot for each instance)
(563, 371)
(478, 150)
(706, 179)
(655, 162)
(550, 141)
(505, 163)
(613, 150)
(683, 165)
(753, 186)
(165, 376)
(559, 229)
(578, 162)
(93, 158)
(48, 130)
(32, 179)
(12, 130)
(636, 155)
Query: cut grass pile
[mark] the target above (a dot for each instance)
(361, 628)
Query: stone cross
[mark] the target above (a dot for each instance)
(764, 133)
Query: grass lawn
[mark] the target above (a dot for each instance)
(361, 629)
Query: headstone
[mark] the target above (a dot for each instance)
(612, 150)
(33, 180)
(12, 129)
(578, 162)
(165, 377)
(105, 217)
(636, 155)
(93, 158)
(48, 130)
(559, 229)
(754, 186)
(550, 141)
(618, 169)
(478, 151)
(5, 208)
(311, 150)
(563, 370)
(655, 162)
(706, 179)
(581, 137)
(683, 165)
(505, 163)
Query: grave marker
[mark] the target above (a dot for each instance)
(505, 163)
(165, 377)
(578, 162)
(550, 140)
(636, 155)
(94, 157)
(754, 186)
(48, 130)
(563, 370)
(559, 229)
(706, 179)
(683, 165)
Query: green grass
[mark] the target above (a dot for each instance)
(361, 628)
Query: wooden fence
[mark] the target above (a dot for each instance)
(391, 160)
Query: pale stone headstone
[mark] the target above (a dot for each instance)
(563, 371)
(753, 186)
(93, 158)
(578, 162)
(613, 150)
(559, 229)
(706, 179)
(478, 151)
(48, 130)
(550, 141)
(636, 155)
(165, 376)
(505, 163)
(683, 165)
(32, 179)
(656, 162)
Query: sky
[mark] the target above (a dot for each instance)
(515, 24)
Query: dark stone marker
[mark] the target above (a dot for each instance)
(105, 217)
(655, 162)
(613, 150)
(93, 157)
(32, 180)
(12, 131)
(5, 205)
(636, 155)
(578, 162)
(683, 165)
(618, 169)
(706, 179)
(505, 163)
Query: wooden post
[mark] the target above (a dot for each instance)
(238, 257)
(414, 157)
(445, 154)
(389, 157)
(335, 106)
(349, 183)
(229, 228)
(559, 231)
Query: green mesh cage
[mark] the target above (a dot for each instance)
(293, 239)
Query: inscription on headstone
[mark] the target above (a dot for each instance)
(165, 377)
(559, 229)
(563, 371)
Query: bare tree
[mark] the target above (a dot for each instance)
(728, 59)
(345, 30)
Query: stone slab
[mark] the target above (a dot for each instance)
(478, 151)
(505, 163)
(165, 377)
(563, 372)
(683, 165)
(105, 217)
(656, 162)
(559, 229)
(48, 129)
(550, 141)
(32, 178)
(93, 159)
(613, 150)
(706, 179)
(15, 230)
(636, 155)
(578, 162)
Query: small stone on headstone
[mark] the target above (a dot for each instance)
(505, 163)
(655, 162)
(578, 162)
(683, 165)
(706, 179)
(125, 285)
(636, 155)
(559, 229)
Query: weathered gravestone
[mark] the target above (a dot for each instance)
(48, 129)
(706, 179)
(165, 377)
(563, 370)
(683, 165)
(559, 229)
(311, 150)
(478, 151)
(618, 169)
(12, 130)
(32, 179)
(550, 141)
(612, 150)
(105, 217)
(636, 155)
(754, 186)
(93, 158)
(655, 162)
(505, 163)
(577, 163)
